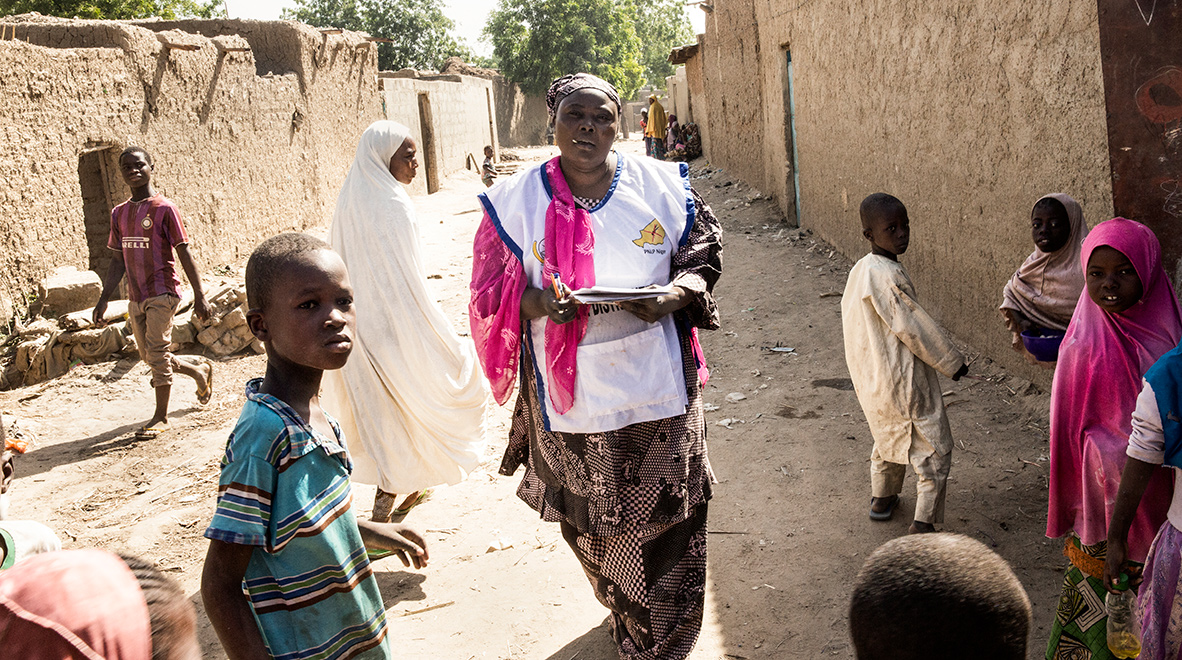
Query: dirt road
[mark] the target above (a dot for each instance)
(788, 522)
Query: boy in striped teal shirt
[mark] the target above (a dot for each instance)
(287, 574)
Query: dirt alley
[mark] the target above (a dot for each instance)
(788, 523)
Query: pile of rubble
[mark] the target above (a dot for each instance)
(61, 332)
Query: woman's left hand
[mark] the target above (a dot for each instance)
(652, 310)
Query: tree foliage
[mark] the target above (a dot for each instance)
(114, 9)
(661, 26)
(536, 41)
(420, 31)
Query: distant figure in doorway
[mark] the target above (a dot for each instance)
(938, 596)
(411, 398)
(893, 349)
(488, 171)
(1044, 290)
(657, 127)
(145, 231)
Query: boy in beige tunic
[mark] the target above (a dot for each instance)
(893, 349)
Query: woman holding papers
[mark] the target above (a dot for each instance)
(608, 419)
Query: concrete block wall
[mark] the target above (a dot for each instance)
(243, 155)
(967, 112)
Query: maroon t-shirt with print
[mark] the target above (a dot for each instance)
(146, 233)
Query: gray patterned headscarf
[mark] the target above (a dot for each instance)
(567, 85)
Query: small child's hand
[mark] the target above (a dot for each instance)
(964, 369)
(397, 538)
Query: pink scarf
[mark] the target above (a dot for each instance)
(570, 252)
(1097, 380)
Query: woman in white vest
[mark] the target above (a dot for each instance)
(410, 401)
(608, 420)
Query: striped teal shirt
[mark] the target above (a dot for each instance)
(285, 490)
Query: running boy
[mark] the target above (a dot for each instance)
(891, 347)
(287, 573)
(145, 230)
(489, 171)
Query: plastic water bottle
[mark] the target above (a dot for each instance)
(1124, 622)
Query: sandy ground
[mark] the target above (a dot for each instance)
(788, 524)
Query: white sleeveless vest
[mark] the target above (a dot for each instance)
(629, 371)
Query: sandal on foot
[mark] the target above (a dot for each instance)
(399, 514)
(150, 432)
(206, 393)
(884, 515)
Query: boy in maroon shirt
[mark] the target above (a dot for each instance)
(144, 232)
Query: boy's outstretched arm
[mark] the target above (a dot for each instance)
(226, 605)
(200, 305)
(922, 335)
(114, 273)
(402, 540)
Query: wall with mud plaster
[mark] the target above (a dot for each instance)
(967, 112)
(455, 111)
(251, 132)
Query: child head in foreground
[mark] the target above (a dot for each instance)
(938, 596)
(885, 224)
(301, 304)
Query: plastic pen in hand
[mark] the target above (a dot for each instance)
(559, 287)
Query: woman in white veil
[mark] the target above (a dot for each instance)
(411, 400)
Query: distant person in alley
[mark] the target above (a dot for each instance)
(411, 398)
(146, 230)
(654, 131)
(893, 349)
(609, 419)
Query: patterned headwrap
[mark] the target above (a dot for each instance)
(567, 85)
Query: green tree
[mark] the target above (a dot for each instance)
(418, 28)
(661, 26)
(113, 9)
(536, 41)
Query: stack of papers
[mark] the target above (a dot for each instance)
(609, 294)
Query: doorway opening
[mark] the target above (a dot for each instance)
(100, 186)
(427, 148)
(792, 171)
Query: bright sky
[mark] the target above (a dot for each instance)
(469, 16)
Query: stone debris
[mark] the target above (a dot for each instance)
(47, 348)
(68, 289)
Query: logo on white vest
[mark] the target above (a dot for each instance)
(540, 251)
(652, 234)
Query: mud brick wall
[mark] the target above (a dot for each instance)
(966, 111)
(252, 133)
(450, 116)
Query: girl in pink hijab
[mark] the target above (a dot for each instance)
(1126, 318)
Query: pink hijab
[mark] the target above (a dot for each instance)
(1047, 285)
(76, 604)
(1097, 380)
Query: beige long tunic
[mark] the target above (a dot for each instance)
(893, 349)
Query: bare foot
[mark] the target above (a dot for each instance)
(918, 527)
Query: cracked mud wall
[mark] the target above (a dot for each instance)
(243, 155)
(968, 113)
